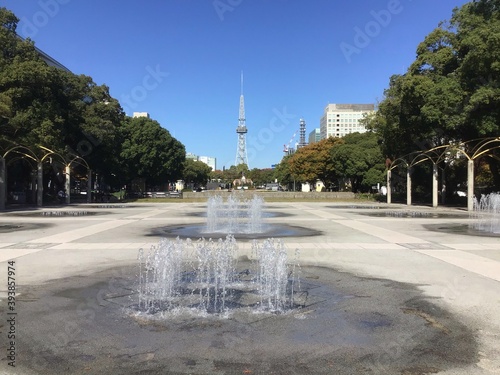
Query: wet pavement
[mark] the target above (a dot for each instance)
(385, 296)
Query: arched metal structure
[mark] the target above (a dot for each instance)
(472, 150)
(25, 152)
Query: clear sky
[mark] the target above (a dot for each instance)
(180, 60)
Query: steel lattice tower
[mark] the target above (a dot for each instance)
(241, 130)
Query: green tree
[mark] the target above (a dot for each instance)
(261, 176)
(451, 93)
(5, 107)
(313, 162)
(150, 152)
(359, 159)
(196, 172)
(452, 90)
(283, 174)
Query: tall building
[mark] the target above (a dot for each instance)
(339, 120)
(315, 136)
(302, 130)
(241, 130)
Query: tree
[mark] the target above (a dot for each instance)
(313, 162)
(52, 107)
(451, 93)
(196, 172)
(5, 107)
(150, 152)
(261, 176)
(282, 172)
(359, 159)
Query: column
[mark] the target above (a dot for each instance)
(470, 185)
(89, 186)
(67, 184)
(434, 185)
(389, 186)
(39, 185)
(408, 186)
(443, 186)
(33, 186)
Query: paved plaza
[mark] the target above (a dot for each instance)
(428, 250)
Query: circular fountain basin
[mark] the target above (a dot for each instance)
(200, 230)
(346, 325)
(60, 213)
(9, 228)
(264, 214)
(115, 205)
(358, 207)
(407, 214)
(463, 229)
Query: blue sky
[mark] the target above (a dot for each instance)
(180, 60)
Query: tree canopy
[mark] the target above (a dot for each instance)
(358, 158)
(42, 105)
(196, 172)
(149, 151)
(313, 162)
(451, 92)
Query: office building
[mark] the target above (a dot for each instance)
(341, 119)
(315, 136)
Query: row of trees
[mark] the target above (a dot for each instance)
(354, 162)
(41, 105)
(449, 95)
(451, 92)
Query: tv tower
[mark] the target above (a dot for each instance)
(241, 130)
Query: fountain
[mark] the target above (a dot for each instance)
(202, 277)
(235, 215)
(486, 214)
(240, 217)
(195, 307)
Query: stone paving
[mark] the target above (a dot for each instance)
(459, 270)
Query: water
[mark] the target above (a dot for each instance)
(486, 213)
(240, 217)
(236, 215)
(203, 277)
(275, 292)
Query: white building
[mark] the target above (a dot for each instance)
(341, 119)
(140, 114)
(208, 160)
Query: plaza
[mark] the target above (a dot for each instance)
(416, 281)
